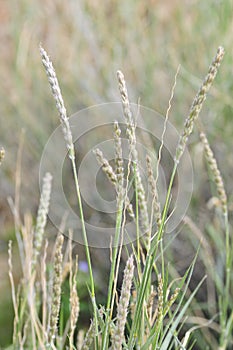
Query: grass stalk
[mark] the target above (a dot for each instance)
(188, 128)
(71, 152)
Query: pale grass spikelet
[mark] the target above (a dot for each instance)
(150, 303)
(171, 300)
(74, 304)
(129, 207)
(198, 103)
(116, 178)
(2, 154)
(122, 308)
(106, 167)
(56, 288)
(130, 131)
(126, 105)
(55, 88)
(130, 125)
(118, 157)
(133, 304)
(44, 285)
(42, 216)
(160, 297)
(118, 164)
(212, 163)
(142, 205)
(88, 340)
(154, 191)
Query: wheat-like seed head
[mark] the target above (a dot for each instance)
(106, 167)
(160, 297)
(122, 309)
(171, 300)
(215, 172)
(74, 304)
(89, 337)
(198, 103)
(56, 91)
(118, 158)
(130, 132)
(42, 216)
(154, 191)
(56, 288)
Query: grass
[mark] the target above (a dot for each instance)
(147, 41)
(151, 310)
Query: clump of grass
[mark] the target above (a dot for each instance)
(156, 301)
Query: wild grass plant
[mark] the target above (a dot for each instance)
(150, 310)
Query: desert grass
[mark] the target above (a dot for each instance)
(148, 313)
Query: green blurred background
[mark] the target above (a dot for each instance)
(88, 41)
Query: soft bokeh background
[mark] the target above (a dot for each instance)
(88, 41)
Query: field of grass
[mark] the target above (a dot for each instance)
(163, 284)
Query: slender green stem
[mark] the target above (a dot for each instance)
(87, 251)
(109, 306)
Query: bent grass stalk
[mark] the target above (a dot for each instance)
(71, 152)
(188, 128)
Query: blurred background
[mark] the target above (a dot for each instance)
(88, 41)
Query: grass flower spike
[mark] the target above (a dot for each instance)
(215, 172)
(122, 309)
(56, 292)
(198, 103)
(55, 88)
(42, 216)
(130, 131)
